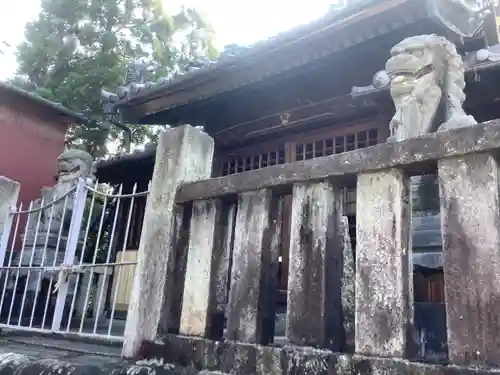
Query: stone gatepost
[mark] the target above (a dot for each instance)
(184, 154)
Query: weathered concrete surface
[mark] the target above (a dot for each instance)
(384, 294)
(184, 154)
(470, 216)
(222, 270)
(248, 359)
(9, 193)
(348, 289)
(247, 309)
(47, 357)
(202, 249)
(314, 315)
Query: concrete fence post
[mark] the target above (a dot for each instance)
(9, 193)
(384, 284)
(470, 219)
(184, 154)
(314, 315)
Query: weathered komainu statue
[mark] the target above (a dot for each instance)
(71, 165)
(426, 79)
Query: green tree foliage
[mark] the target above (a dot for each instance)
(76, 48)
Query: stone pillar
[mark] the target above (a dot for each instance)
(247, 309)
(314, 310)
(184, 154)
(223, 273)
(81, 292)
(9, 193)
(348, 286)
(384, 293)
(470, 217)
(98, 310)
(203, 250)
(177, 267)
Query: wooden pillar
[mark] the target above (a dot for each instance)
(314, 311)
(470, 220)
(384, 295)
(250, 287)
(9, 193)
(184, 154)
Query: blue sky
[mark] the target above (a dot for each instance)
(235, 21)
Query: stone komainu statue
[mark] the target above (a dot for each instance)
(426, 71)
(71, 165)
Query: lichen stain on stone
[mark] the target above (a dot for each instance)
(12, 359)
(309, 362)
(150, 366)
(139, 370)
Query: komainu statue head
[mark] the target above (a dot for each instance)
(73, 164)
(426, 74)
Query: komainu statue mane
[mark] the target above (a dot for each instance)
(426, 75)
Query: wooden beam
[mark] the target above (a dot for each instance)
(331, 109)
(415, 156)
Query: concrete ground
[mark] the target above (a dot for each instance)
(35, 355)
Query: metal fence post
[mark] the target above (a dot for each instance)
(69, 256)
(9, 193)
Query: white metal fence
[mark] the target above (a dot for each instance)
(63, 262)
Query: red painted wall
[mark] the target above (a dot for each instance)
(30, 142)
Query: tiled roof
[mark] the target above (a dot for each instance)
(482, 59)
(134, 91)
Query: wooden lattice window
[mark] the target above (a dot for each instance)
(336, 145)
(251, 162)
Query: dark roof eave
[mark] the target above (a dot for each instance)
(375, 94)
